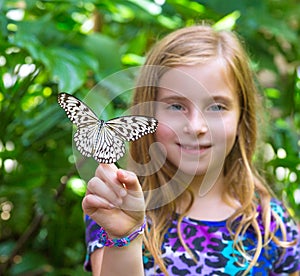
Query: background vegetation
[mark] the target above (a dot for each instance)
(48, 46)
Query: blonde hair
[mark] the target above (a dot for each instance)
(191, 46)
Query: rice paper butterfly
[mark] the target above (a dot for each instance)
(103, 140)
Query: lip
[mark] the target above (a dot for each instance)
(194, 148)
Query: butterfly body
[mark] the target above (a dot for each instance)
(103, 140)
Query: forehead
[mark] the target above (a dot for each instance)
(195, 82)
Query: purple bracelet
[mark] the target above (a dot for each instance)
(125, 241)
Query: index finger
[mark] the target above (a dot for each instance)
(108, 174)
(105, 167)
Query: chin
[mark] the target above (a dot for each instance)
(189, 170)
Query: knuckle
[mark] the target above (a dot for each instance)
(93, 182)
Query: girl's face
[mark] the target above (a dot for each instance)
(198, 113)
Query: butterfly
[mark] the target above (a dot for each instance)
(103, 140)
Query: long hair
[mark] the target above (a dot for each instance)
(191, 46)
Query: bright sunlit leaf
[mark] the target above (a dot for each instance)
(10, 146)
(47, 91)
(269, 153)
(171, 23)
(2, 61)
(132, 59)
(293, 177)
(227, 22)
(272, 93)
(281, 173)
(160, 2)
(151, 7)
(281, 153)
(77, 185)
(10, 165)
(297, 196)
(15, 14)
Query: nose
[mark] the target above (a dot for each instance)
(196, 123)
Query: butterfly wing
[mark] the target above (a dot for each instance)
(86, 121)
(131, 128)
(79, 114)
(84, 140)
(110, 146)
(103, 141)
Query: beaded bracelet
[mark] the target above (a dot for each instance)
(125, 241)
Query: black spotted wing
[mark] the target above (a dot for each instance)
(104, 141)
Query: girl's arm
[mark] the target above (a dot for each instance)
(96, 261)
(118, 261)
(114, 200)
(125, 261)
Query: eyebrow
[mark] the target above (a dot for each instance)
(216, 98)
(223, 98)
(173, 97)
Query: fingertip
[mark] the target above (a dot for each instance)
(121, 174)
(125, 174)
(127, 179)
(103, 168)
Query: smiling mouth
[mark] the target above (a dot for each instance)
(194, 148)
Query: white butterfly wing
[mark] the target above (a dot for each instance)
(132, 128)
(84, 139)
(110, 147)
(85, 119)
(79, 114)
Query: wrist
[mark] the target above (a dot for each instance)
(106, 241)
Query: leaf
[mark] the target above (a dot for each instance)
(67, 64)
(32, 262)
(228, 22)
(105, 50)
(69, 67)
(42, 124)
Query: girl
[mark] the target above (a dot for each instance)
(207, 210)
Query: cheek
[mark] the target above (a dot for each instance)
(227, 135)
(169, 126)
(163, 133)
(223, 132)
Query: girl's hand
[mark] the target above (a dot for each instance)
(114, 199)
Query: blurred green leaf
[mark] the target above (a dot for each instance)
(272, 93)
(105, 51)
(31, 262)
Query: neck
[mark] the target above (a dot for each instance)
(208, 202)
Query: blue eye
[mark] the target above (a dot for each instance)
(217, 107)
(175, 107)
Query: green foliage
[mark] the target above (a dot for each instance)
(52, 46)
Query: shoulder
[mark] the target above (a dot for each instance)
(287, 233)
(279, 208)
(280, 211)
(282, 223)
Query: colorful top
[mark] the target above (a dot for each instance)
(212, 245)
